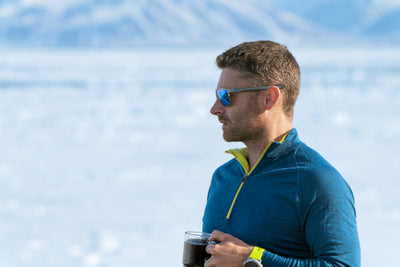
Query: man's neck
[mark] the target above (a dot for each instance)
(256, 148)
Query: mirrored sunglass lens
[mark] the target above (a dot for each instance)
(224, 97)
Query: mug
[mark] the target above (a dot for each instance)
(194, 249)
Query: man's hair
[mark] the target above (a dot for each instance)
(266, 63)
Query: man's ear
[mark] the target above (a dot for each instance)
(272, 97)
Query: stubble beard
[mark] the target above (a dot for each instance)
(244, 125)
(241, 132)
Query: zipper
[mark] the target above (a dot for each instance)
(236, 195)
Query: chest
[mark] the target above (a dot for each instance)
(265, 211)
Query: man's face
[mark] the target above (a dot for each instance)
(241, 120)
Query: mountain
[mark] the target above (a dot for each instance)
(124, 23)
(366, 19)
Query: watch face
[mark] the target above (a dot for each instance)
(252, 263)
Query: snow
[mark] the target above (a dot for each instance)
(106, 156)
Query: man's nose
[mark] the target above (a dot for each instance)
(217, 108)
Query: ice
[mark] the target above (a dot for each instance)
(106, 156)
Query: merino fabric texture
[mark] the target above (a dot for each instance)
(293, 203)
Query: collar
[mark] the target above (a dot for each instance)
(273, 150)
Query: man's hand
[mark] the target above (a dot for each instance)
(229, 252)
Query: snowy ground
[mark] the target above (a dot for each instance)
(106, 157)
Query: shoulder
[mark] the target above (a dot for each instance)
(227, 166)
(321, 190)
(228, 172)
(316, 174)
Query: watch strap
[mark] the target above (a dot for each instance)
(256, 253)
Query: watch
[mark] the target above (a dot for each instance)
(254, 259)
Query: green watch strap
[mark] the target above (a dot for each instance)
(256, 253)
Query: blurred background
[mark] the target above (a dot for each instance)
(107, 145)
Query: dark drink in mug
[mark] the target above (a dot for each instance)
(194, 249)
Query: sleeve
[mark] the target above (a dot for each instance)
(327, 214)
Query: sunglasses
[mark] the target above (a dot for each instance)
(224, 94)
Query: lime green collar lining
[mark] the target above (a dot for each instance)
(241, 155)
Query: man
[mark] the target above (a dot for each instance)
(278, 202)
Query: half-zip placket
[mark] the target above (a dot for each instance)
(238, 154)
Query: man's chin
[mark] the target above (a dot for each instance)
(230, 138)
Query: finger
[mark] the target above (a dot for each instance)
(209, 262)
(210, 248)
(218, 236)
